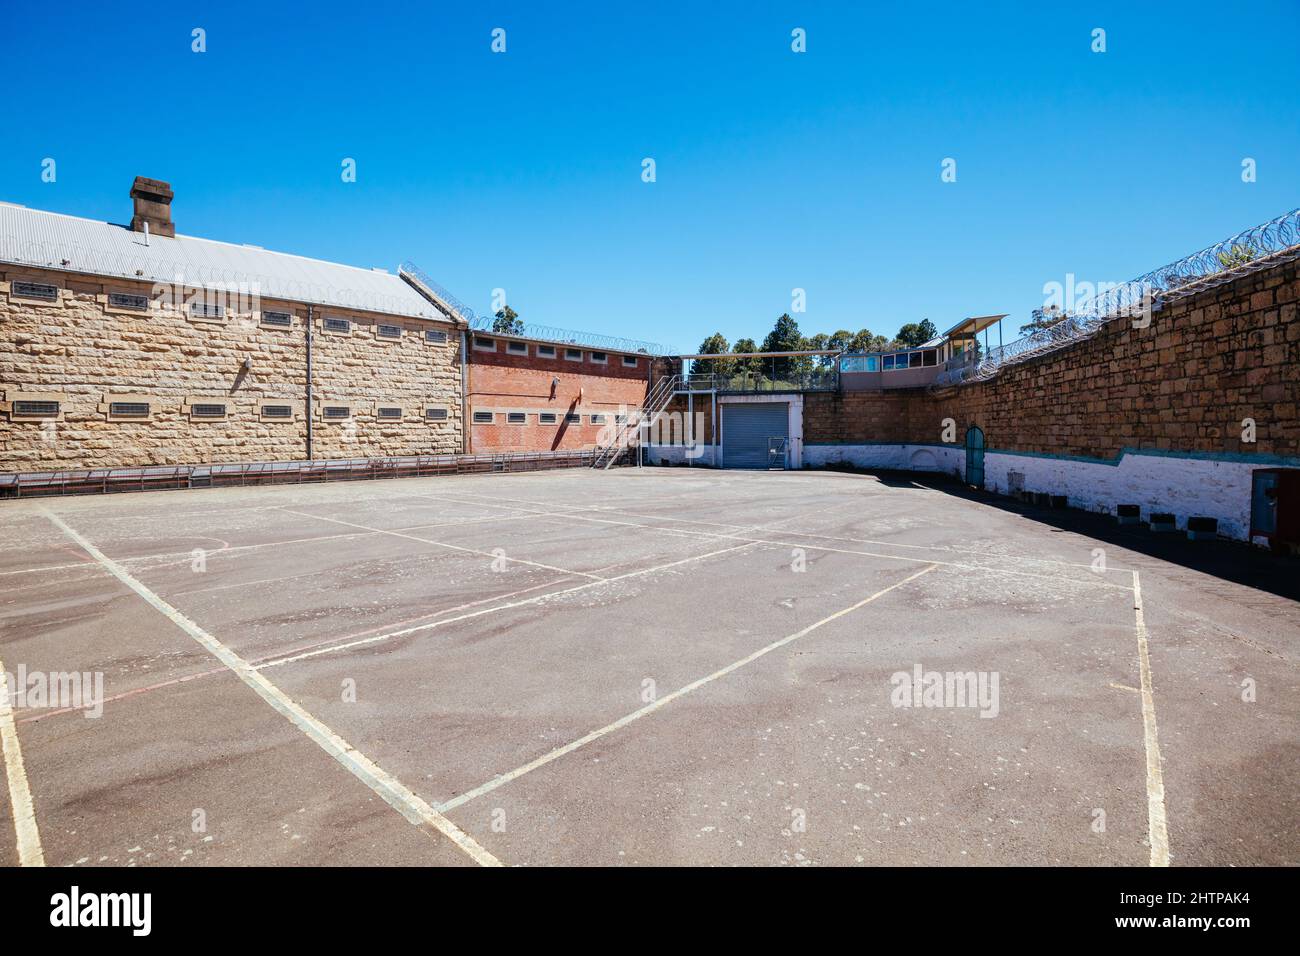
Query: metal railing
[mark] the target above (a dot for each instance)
(747, 381)
(656, 401)
(1266, 245)
(549, 333)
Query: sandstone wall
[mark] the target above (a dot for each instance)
(86, 354)
(1186, 383)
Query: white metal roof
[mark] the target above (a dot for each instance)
(47, 240)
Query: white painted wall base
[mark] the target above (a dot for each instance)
(951, 460)
(1182, 486)
(676, 455)
(1217, 488)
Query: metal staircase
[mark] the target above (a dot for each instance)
(656, 401)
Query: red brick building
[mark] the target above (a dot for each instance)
(533, 394)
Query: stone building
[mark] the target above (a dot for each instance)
(126, 346)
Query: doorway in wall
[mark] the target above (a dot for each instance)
(975, 456)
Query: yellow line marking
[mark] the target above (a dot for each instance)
(20, 794)
(1124, 687)
(392, 790)
(1156, 821)
(666, 700)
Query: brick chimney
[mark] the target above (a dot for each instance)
(153, 205)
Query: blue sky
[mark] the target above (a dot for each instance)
(775, 170)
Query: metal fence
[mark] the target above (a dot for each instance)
(746, 380)
(1262, 247)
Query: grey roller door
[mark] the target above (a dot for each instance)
(747, 429)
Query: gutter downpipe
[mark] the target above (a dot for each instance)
(713, 401)
(466, 445)
(308, 409)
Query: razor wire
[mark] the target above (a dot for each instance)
(549, 333)
(1261, 247)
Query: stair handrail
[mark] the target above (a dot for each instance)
(655, 402)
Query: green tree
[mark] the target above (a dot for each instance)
(914, 333)
(715, 344)
(865, 341)
(784, 337)
(842, 340)
(751, 366)
(507, 322)
(820, 341)
(1238, 254)
(1041, 319)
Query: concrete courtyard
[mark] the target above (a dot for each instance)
(641, 666)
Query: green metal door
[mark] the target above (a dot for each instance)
(975, 456)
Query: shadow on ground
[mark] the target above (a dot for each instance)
(1234, 561)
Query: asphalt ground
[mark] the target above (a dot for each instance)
(641, 666)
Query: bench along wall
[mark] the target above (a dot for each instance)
(159, 385)
(1160, 416)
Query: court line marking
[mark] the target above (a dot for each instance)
(164, 558)
(922, 547)
(443, 544)
(1157, 822)
(622, 512)
(872, 554)
(26, 831)
(330, 645)
(389, 788)
(180, 557)
(378, 638)
(662, 702)
(186, 678)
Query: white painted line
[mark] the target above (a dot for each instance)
(183, 557)
(1058, 579)
(623, 512)
(52, 567)
(20, 794)
(662, 702)
(443, 544)
(743, 529)
(890, 544)
(390, 635)
(1157, 825)
(388, 787)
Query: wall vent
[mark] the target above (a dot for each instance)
(129, 300)
(35, 290)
